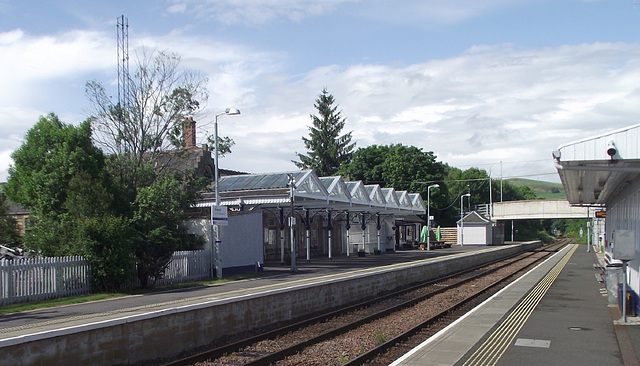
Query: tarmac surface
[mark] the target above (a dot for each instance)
(567, 322)
(557, 314)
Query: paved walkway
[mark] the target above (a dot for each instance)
(557, 314)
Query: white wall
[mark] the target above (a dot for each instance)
(474, 234)
(200, 227)
(623, 212)
(242, 240)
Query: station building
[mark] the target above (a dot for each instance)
(332, 216)
(602, 172)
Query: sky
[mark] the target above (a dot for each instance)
(494, 84)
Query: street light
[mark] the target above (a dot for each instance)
(216, 227)
(291, 182)
(462, 217)
(228, 112)
(429, 212)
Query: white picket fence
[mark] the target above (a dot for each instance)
(185, 266)
(33, 279)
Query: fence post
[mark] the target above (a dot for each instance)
(12, 289)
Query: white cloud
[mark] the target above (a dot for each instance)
(486, 105)
(428, 13)
(254, 11)
(490, 104)
(33, 67)
(42, 74)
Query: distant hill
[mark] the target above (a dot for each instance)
(543, 190)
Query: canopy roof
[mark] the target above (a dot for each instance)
(595, 169)
(311, 191)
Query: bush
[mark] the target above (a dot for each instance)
(544, 237)
(108, 247)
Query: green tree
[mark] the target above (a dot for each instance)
(52, 154)
(398, 166)
(143, 139)
(60, 176)
(483, 190)
(158, 211)
(225, 143)
(326, 148)
(108, 245)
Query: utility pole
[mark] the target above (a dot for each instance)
(292, 220)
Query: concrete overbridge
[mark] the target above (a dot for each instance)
(538, 209)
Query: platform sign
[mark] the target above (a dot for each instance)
(601, 214)
(219, 215)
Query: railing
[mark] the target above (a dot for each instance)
(33, 279)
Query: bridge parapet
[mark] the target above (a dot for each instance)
(538, 209)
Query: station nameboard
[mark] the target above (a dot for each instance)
(219, 215)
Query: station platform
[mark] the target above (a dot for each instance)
(557, 314)
(23, 326)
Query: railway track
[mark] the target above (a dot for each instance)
(374, 331)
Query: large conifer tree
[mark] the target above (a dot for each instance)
(326, 148)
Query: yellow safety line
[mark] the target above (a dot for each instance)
(494, 347)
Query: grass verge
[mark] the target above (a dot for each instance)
(15, 308)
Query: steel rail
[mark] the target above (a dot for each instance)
(375, 352)
(278, 355)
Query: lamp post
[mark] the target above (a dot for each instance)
(462, 217)
(292, 186)
(429, 212)
(216, 227)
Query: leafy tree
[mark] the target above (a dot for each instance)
(143, 140)
(52, 154)
(158, 211)
(9, 235)
(511, 192)
(137, 134)
(225, 143)
(108, 245)
(398, 166)
(327, 150)
(60, 176)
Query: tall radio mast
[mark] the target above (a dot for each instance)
(123, 62)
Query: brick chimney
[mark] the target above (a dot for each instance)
(189, 132)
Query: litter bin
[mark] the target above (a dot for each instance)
(613, 281)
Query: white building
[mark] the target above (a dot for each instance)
(332, 217)
(477, 229)
(602, 172)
